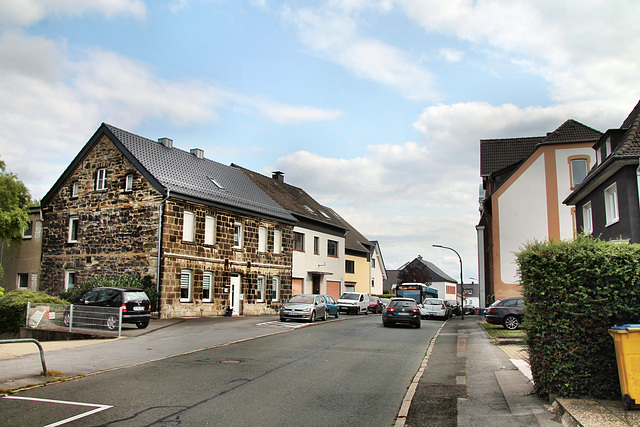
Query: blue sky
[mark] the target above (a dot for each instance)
(374, 107)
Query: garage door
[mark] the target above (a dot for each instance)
(296, 286)
(333, 289)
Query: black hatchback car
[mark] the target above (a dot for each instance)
(508, 312)
(401, 310)
(136, 308)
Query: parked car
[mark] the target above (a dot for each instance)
(332, 306)
(401, 311)
(375, 305)
(455, 307)
(384, 301)
(354, 302)
(435, 307)
(304, 307)
(469, 309)
(507, 312)
(136, 308)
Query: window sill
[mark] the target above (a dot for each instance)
(615, 221)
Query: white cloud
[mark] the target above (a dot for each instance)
(451, 55)
(286, 114)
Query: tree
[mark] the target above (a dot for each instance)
(414, 272)
(14, 201)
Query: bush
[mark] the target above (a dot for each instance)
(13, 308)
(574, 292)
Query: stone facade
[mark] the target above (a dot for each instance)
(117, 234)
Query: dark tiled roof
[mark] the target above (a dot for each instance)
(572, 131)
(353, 239)
(436, 273)
(630, 144)
(292, 198)
(497, 154)
(183, 173)
(632, 117)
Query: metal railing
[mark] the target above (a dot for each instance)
(75, 317)
(36, 342)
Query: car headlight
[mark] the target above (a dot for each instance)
(306, 309)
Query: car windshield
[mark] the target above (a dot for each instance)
(402, 304)
(431, 301)
(135, 296)
(306, 299)
(349, 296)
(373, 299)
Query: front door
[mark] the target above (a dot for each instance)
(234, 294)
(316, 283)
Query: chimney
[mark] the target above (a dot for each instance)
(278, 176)
(199, 153)
(166, 142)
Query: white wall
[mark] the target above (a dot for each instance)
(306, 261)
(377, 273)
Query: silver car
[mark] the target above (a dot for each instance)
(305, 307)
(435, 307)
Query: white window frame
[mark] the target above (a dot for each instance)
(238, 235)
(260, 289)
(70, 279)
(75, 187)
(207, 277)
(612, 213)
(27, 232)
(74, 225)
(587, 218)
(188, 275)
(19, 276)
(101, 179)
(275, 283)
(277, 241)
(574, 162)
(188, 226)
(209, 230)
(262, 239)
(128, 183)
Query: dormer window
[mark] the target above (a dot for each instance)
(607, 147)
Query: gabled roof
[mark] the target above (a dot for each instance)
(437, 275)
(300, 204)
(572, 131)
(183, 175)
(353, 240)
(376, 244)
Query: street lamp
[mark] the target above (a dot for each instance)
(461, 290)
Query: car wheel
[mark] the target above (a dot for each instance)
(313, 317)
(418, 325)
(282, 319)
(385, 324)
(511, 322)
(326, 315)
(112, 322)
(366, 312)
(337, 313)
(142, 324)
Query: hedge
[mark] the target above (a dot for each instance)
(574, 292)
(13, 308)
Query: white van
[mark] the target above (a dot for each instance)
(354, 302)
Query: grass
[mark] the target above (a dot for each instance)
(497, 331)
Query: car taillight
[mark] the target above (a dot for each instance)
(415, 310)
(124, 308)
(443, 307)
(391, 309)
(492, 310)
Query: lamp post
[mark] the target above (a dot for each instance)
(461, 290)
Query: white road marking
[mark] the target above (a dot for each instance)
(288, 325)
(98, 408)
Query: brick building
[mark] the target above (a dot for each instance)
(204, 232)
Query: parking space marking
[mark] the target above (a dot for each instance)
(287, 325)
(97, 408)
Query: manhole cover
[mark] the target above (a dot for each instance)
(231, 361)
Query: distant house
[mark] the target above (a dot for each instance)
(443, 283)
(607, 201)
(318, 260)
(378, 270)
(524, 181)
(21, 261)
(209, 238)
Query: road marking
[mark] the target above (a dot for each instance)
(287, 325)
(98, 408)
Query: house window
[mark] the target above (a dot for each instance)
(23, 280)
(185, 285)
(276, 288)
(611, 204)
(298, 242)
(128, 183)
(373, 263)
(188, 227)
(75, 186)
(260, 291)
(101, 179)
(587, 218)
(316, 245)
(277, 241)
(237, 235)
(27, 232)
(262, 239)
(598, 156)
(207, 280)
(349, 267)
(69, 279)
(332, 248)
(607, 146)
(578, 171)
(209, 230)
(74, 222)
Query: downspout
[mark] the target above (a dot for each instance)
(159, 267)
(638, 181)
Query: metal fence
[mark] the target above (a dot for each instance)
(75, 317)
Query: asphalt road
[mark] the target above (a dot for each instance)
(331, 374)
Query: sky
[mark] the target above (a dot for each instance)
(374, 107)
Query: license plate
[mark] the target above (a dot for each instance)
(403, 314)
(138, 308)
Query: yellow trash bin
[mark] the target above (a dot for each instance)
(627, 342)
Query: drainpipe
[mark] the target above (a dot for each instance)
(638, 180)
(160, 215)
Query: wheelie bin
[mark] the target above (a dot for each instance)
(627, 343)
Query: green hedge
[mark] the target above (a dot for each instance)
(575, 291)
(13, 308)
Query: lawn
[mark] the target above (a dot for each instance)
(497, 331)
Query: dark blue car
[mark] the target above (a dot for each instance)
(332, 306)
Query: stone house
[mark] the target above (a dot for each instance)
(208, 237)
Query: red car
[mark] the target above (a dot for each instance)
(375, 305)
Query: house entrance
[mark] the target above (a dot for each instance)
(316, 283)
(234, 294)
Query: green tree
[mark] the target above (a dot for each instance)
(14, 201)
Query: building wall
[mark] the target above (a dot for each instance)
(23, 258)
(378, 273)
(362, 273)
(307, 261)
